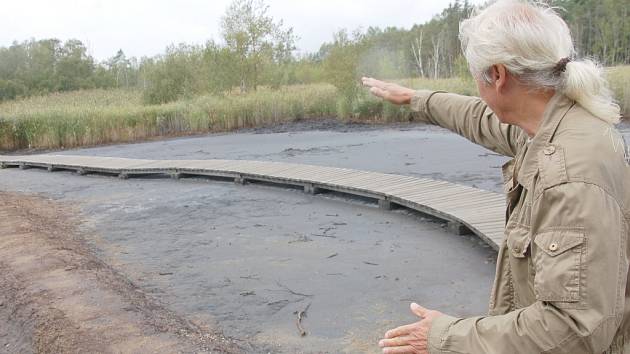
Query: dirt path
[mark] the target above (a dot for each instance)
(56, 296)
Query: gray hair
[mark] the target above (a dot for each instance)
(535, 45)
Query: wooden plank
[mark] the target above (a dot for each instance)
(475, 211)
(472, 213)
(467, 207)
(434, 199)
(404, 186)
(496, 227)
(311, 171)
(388, 182)
(426, 189)
(350, 178)
(333, 178)
(370, 182)
(464, 196)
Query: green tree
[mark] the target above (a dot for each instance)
(255, 39)
(74, 68)
(174, 75)
(122, 69)
(220, 68)
(600, 28)
(341, 62)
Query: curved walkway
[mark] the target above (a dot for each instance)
(465, 209)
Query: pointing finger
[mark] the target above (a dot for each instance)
(407, 349)
(400, 331)
(367, 81)
(379, 92)
(394, 342)
(418, 310)
(372, 82)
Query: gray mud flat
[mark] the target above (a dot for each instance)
(245, 259)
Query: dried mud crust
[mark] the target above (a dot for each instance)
(56, 296)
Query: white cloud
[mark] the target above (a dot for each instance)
(145, 27)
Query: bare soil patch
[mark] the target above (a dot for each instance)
(56, 296)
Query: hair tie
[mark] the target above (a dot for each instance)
(561, 66)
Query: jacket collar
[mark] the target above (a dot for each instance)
(527, 159)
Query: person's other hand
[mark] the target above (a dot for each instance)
(411, 338)
(393, 93)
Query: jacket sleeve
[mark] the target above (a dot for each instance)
(579, 254)
(469, 117)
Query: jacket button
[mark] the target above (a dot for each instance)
(553, 247)
(549, 150)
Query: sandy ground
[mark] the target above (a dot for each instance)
(56, 296)
(94, 263)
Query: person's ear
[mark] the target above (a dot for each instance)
(499, 75)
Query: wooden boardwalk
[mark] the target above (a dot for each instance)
(465, 209)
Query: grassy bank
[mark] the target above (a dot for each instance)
(100, 117)
(94, 117)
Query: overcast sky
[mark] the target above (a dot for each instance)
(146, 27)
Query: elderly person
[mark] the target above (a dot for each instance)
(562, 269)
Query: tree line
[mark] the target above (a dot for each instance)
(255, 49)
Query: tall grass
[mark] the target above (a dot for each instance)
(95, 117)
(99, 117)
(619, 79)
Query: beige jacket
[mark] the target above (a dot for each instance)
(562, 269)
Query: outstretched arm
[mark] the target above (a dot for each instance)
(467, 116)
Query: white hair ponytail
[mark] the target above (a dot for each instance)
(584, 83)
(535, 45)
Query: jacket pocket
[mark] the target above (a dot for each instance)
(518, 246)
(558, 262)
(518, 240)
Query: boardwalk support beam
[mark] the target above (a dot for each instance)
(386, 204)
(457, 228)
(310, 188)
